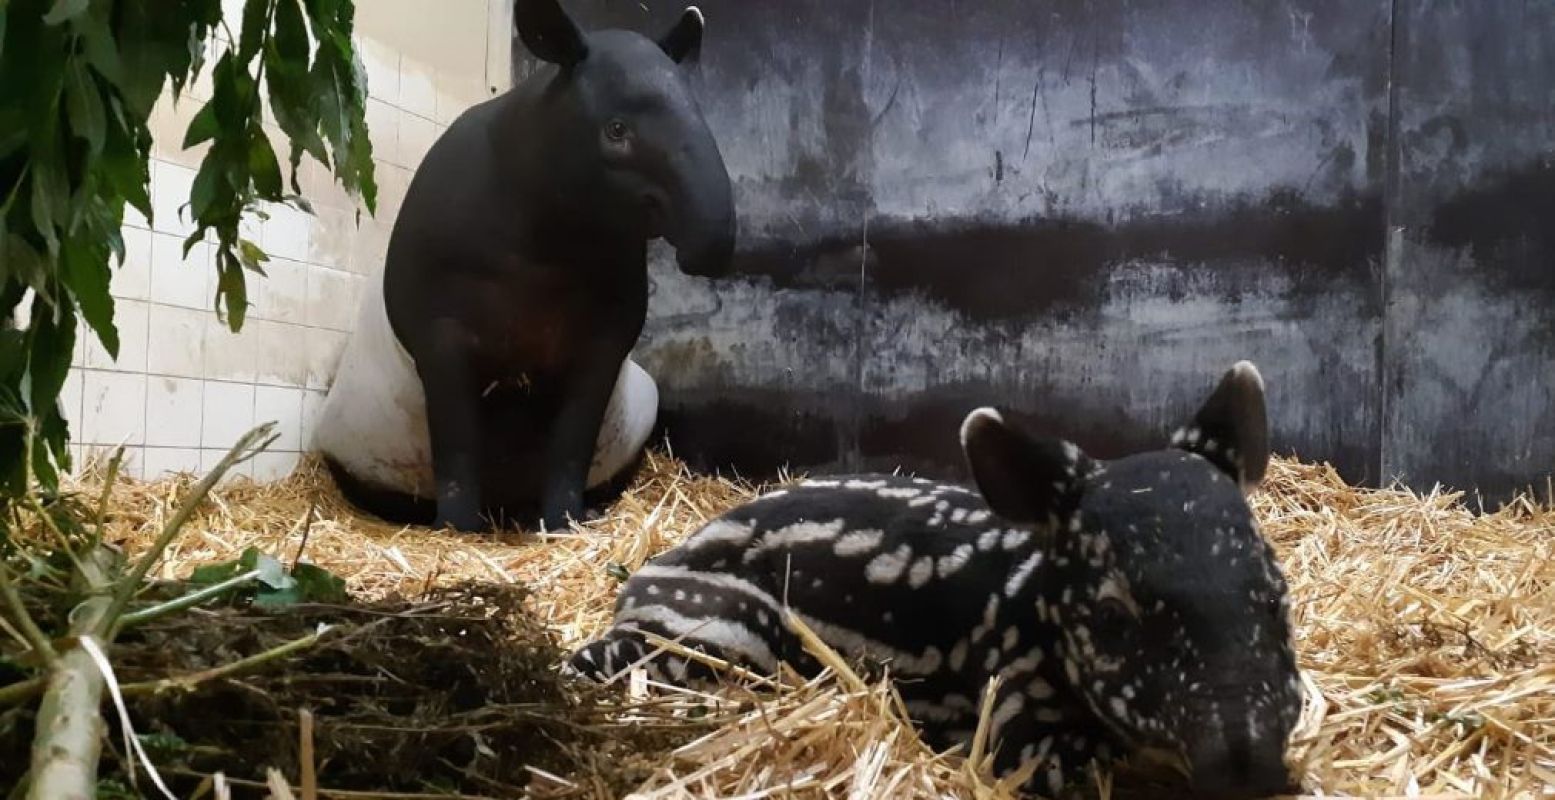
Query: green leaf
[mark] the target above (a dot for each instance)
(231, 292)
(162, 746)
(319, 585)
(63, 10)
(291, 33)
(252, 37)
(97, 42)
(123, 167)
(228, 102)
(203, 127)
(262, 165)
(87, 274)
(292, 98)
(309, 584)
(252, 256)
(153, 40)
(54, 435)
(208, 183)
(326, 78)
(13, 134)
(46, 194)
(84, 107)
(115, 238)
(359, 163)
(209, 574)
(27, 266)
(324, 12)
(53, 344)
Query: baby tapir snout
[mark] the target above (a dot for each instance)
(1238, 743)
(1237, 748)
(1236, 768)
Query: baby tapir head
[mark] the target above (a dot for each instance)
(1171, 609)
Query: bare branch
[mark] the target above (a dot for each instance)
(247, 447)
(34, 635)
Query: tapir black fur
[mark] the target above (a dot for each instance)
(516, 272)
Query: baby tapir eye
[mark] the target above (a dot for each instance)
(1112, 613)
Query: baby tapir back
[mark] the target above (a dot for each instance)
(1127, 605)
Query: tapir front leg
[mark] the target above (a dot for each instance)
(453, 422)
(570, 448)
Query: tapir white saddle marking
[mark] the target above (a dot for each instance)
(374, 421)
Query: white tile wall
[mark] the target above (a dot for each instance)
(417, 134)
(163, 461)
(281, 405)
(183, 388)
(384, 122)
(174, 408)
(130, 317)
(176, 342)
(180, 281)
(170, 185)
(132, 279)
(282, 295)
(70, 401)
(417, 94)
(228, 413)
(210, 456)
(273, 466)
(228, 356)
(113, 408)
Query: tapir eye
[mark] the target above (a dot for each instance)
(1112, 612)
(615, 130)
(1114, 603)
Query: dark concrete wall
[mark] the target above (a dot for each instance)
(1470, 335)
(1087, 210)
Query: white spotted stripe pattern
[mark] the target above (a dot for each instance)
(954, 560)
(727, 635)
(887, 567)
(720, 531)
(855, 543)
(798, 533)
(1018, 577)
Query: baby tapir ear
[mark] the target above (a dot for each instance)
(685, 39)
(1023, 478)
(548, 32)
(1232, 427)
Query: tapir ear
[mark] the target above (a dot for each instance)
(1023, 478)
(548, 32)
(685, 39)
(1232, 427)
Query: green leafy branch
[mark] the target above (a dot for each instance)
(78, 81)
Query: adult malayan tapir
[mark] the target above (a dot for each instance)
(488, 375)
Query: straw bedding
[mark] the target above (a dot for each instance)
(1426, 632)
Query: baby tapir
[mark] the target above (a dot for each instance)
(1129, 605)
